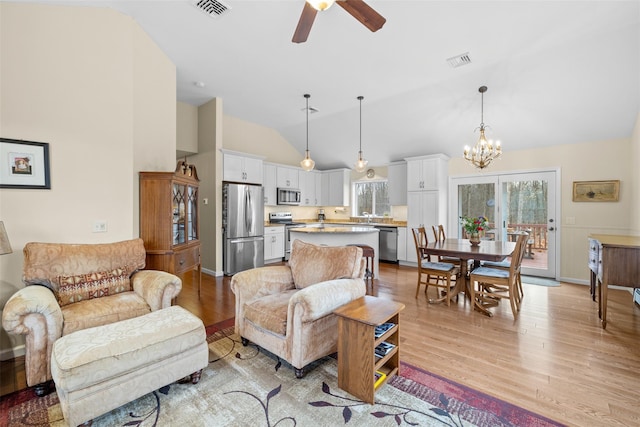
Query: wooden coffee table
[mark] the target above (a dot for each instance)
(357, 362)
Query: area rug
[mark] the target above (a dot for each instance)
(540, 281)
(246, 386)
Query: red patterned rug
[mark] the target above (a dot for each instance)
(247, 386)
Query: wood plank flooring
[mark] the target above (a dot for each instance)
(554, 360)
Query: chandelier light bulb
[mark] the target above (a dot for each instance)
(484, 152)
(361, 164)
(320, 5)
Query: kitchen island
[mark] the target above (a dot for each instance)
(339, 236)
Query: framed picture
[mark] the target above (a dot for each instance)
(24, 164)
(596, 191)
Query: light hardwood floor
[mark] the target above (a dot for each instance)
(554, 360)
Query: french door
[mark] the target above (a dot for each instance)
(522, 203)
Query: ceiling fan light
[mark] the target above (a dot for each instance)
(320, 5)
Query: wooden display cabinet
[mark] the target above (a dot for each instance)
(169, 220)
(357, 362)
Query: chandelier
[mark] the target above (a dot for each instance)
(361, 164)
(484, 151)
(307, 163)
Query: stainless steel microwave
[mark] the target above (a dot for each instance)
(288, 196)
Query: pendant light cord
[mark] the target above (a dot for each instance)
(306, 95)
(360, 98)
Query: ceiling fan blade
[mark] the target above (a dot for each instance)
(304, 24)
(363, 13)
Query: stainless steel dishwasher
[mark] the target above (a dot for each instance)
(388, 244)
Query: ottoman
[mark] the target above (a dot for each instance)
(99, 369)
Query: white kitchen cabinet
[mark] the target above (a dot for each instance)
(336, 187)
(287, 177)
(427, 172)
(424, 209)
(308, 188)
(273, 244)
(402, 243)
(397, 183)
(240, 167)
(269, 185)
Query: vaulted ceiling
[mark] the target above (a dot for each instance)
(557, 72)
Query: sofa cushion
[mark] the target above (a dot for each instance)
(270, 312)
(102, 311)
(81, 287)
(311, 264)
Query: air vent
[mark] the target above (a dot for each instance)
(213, 8)
(459, 60)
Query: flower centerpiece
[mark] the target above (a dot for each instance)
(473, 227)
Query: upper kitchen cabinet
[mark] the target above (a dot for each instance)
(335, 187)
(310, 187)
(287, 177)
(242, 167)
(397, 182)
(427, 172)
(270, 188)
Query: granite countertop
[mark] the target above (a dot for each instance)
(355, 223)
(342, 229)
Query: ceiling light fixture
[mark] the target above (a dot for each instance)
(320, 5)
(361, 164)
(484, 151)
(307, 163)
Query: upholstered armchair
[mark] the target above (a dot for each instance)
(77, 286)
(287, 309)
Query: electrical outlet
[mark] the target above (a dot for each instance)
(99, 226)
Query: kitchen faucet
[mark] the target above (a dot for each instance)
(368, 215)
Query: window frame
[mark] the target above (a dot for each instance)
(354, 197)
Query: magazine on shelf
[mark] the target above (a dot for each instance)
(384, 348)
(381, 329)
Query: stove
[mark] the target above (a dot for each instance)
(285, 218)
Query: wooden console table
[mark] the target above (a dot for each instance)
(357, 362)
(619, 264)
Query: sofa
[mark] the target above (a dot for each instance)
(288, 309)
(71, 287)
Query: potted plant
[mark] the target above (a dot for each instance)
(473, 226)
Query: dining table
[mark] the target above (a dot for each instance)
(487, 250)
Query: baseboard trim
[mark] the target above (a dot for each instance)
(212, 272)
(12, 353)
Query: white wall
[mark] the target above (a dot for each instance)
(90, 83)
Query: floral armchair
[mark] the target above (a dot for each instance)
(77, 286)
(288, 309)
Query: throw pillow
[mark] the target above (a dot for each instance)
(92, 285)
(312, 264)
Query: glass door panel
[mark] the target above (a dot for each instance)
(179, 210)
(192, 220)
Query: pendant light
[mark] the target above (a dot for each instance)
(361, 164)
(307, 163)
(484, 151)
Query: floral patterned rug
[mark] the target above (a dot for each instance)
(245, 386)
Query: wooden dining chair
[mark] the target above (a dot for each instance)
(505, 265)
(442, 272)
(489, 285)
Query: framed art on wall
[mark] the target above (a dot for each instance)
(596, 191)
(24, 164)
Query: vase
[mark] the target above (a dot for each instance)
(474, 239)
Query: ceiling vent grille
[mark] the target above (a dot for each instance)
(213, 8)
(459, 60)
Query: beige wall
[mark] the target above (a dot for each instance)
(187, 130)
(593, 161)
(90, 83)
(635, 179)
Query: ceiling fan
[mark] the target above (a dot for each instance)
(357, 8)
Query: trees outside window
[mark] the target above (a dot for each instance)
(371, 197)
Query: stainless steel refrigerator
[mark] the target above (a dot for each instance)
(243, 226)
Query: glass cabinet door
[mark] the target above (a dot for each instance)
(179, 211)
(191, 218)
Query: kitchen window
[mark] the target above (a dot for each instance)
(371, 198)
